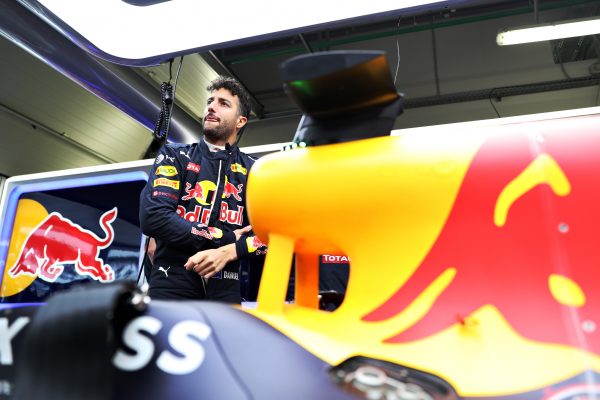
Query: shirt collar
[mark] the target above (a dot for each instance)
(213, 148)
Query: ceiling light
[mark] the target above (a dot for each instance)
(133, 32)
(551, 31)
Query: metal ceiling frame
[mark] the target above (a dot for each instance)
(118, 86)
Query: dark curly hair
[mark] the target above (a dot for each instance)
(236, 89)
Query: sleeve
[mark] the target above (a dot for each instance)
(159, 214)
(250, 246)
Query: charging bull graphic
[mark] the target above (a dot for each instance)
(523, 236)
(231, 190)
(57, 241)
(476, 258)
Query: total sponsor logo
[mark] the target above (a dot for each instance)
(166, 182)
(57, 241)
(332, 259)
(193, 167)
(166, 170)
(200, 214)
(238, 168)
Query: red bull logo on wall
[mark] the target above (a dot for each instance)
(57, 241)
(69, 232)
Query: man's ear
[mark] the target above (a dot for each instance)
(241, 122)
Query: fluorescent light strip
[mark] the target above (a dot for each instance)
(484, 123)
(136, 32)
(565, 29)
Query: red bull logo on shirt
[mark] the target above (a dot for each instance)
(232, 190)
(254, 243)
(57, 241)
(202, 215)
(203, 192)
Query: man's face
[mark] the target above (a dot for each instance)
(221, 115)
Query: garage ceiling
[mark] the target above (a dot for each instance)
(62, 107)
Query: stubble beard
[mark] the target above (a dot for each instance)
(219, 133)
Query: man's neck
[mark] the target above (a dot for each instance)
(217, 146)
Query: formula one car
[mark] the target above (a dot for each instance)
(474, 271)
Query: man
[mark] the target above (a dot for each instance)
(194, 205)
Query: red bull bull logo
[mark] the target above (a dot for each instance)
(57, 241)
(482, 271)
(231, 190)
(196, 193)
(203, 192)
(254, 243)
(523, 237)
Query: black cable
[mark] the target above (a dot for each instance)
(173, 97)
(492, 103)
(161, 128)
(398, 51)
(560, 61)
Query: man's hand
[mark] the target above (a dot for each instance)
(206, 263)
(239, 232)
